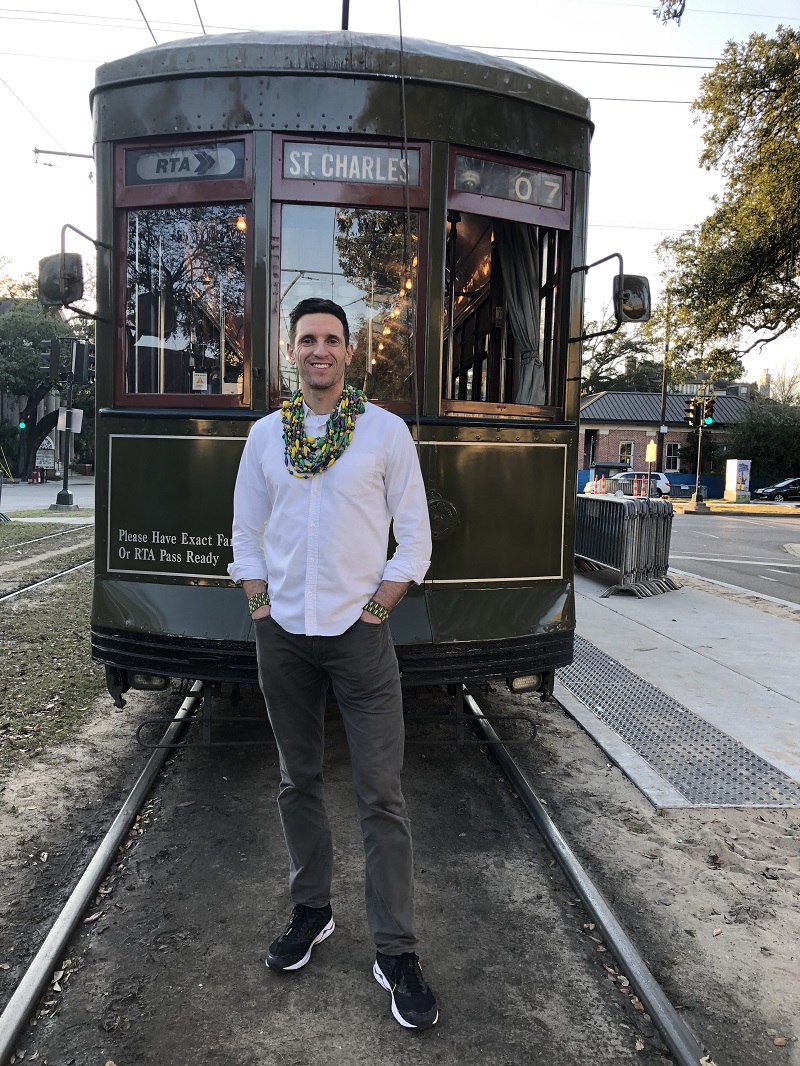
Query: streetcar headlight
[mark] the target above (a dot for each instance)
(149, 682)
(525, 683)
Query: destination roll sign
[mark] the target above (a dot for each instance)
(188, 162)
(521, 184)
(349, 162)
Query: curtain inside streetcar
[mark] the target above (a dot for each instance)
(185, 300)
(364, 259)
(501, 288)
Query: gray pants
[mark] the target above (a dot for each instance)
(294, 671)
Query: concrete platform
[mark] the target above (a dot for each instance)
(732, 665)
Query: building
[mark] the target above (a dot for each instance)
(616, 426)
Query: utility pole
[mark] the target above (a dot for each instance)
(662, 428)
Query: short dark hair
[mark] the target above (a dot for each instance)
(315, 306)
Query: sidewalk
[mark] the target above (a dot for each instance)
(722, 668)
(24, 496)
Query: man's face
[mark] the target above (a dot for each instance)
(319, 353)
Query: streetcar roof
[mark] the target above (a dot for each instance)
(364, 55)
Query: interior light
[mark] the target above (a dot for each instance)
(380, 347)
(386, 331)
(241, 223)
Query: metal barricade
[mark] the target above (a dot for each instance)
(629, 535)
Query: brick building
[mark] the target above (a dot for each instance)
(616, 426)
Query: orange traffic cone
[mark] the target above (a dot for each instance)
(603, 485)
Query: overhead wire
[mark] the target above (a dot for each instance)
(35, 119)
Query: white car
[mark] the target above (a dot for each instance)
(630, 483)
(634, 482)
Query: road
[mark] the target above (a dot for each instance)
(761, 554)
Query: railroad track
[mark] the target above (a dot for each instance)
(682, 1044)
(26, 565)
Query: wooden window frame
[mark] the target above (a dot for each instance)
(170, 195)
(336, 194)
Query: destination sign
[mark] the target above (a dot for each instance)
(521, 184)
(194, 162)
(351, 163)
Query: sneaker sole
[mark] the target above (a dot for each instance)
(274, 962)
(380, 977)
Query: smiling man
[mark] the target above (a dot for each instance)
(319, 484)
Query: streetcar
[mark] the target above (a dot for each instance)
(439, 195)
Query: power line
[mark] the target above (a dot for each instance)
(19, 98)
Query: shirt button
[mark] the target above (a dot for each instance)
(312, 560)
(313, 525)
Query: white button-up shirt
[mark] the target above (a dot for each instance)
(320, 543)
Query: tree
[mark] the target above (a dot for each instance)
(618, 361)
(670, 11)
(769, 435)
(735, 276)
(23, 327)
(784, 385)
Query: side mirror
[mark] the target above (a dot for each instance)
(60, 279)
(631, 298)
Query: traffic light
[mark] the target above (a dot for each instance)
(79, 370)
(53, 350)
(691, 410)
(708, 411)
(25, 419)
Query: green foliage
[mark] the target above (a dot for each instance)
(623, 361)
(769, 435)
(734, 278)
(23, 326)
(83, 399)
(713, 453)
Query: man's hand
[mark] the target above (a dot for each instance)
(262, 612)
(367, 617)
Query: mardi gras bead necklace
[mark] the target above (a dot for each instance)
(305, 456)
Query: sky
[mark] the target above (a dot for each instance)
(640, 76)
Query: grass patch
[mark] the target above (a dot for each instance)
(49, 682)
(45, 512)
(12, 533)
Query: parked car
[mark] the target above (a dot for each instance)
(788, 489)
(623, 484)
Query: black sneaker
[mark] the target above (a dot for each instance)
(413, 1003)
(307, 926)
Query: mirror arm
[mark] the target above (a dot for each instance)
(584, 269)
(97, 244)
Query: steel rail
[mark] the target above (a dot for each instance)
(23, 1002)
(36, 584)
(675, 1032)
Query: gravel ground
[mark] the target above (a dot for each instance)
(710, 896)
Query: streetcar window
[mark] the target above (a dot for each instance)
(185, 300)
(364, 259)
(499, 319)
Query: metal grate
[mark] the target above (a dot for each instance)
(701, 762)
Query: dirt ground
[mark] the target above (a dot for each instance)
(711, 897)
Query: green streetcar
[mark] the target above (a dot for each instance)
(440, 196)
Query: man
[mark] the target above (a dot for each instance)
(319, 484)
